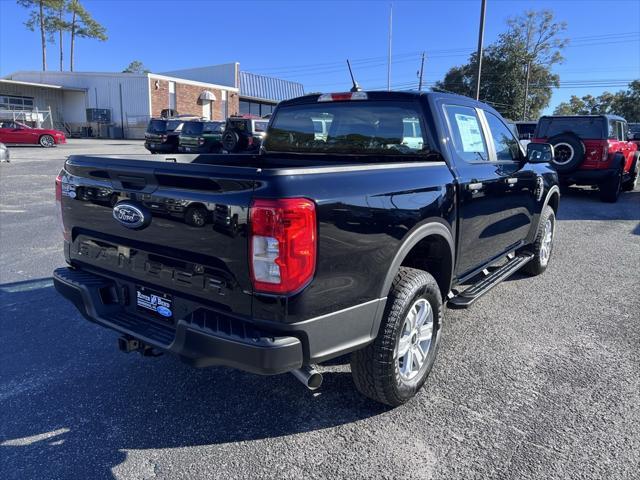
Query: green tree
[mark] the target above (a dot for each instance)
(41, 18)
(136, 67)
(516, 69)
(625, 103)
(83, 26)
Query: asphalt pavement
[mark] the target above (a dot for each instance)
(539, 379)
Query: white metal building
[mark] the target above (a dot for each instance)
(125, 101)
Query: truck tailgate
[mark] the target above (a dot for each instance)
(195, 241)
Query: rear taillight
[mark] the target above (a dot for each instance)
(605, 152)
(65, 232)
(282, 244)
(250, 141)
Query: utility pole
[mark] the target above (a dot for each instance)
(421, 72)
(526, 90)
(389, 54)
(483, 10)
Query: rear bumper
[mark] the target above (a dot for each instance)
(159, 147)
(586, 177)
(194, 149)
(202, 339)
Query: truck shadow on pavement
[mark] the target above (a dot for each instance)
(71, 405)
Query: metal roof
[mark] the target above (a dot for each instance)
(261, 87)
(40, 85)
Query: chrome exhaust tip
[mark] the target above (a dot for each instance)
(309, 376)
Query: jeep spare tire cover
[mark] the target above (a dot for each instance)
(230, 141)
(568, 152)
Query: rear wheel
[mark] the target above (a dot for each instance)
(610, 189)
(543, 244)
(47, 141)
(196, 216)
(630, 183)
(394, 367)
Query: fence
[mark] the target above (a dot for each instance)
(35, 117)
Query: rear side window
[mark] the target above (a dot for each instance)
(617, 130)
(466, 133)
(260, 126)
(362, 127)
(583, 127)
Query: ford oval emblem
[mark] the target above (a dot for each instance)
(131, 216)
(164, 311)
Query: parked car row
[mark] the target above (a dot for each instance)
(193, 135)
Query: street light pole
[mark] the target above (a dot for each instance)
(483, 10)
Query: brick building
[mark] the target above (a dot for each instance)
(210, 101)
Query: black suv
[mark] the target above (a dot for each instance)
(244, 134)
(162, 134)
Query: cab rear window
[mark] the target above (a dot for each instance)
(584, 127)
(361, 127)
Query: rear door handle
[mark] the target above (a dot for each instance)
(475, 186)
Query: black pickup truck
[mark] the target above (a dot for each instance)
(363, 214)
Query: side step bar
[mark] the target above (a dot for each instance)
(465, 298)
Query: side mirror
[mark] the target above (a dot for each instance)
(539, 152)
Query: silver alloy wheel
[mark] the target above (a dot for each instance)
(46, 141)
(197, 218)
(563, 153)
(547, 241)
(415, 339)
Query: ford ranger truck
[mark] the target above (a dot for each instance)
(348, 239)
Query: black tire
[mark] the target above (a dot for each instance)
(230, 141)
(630, 183)
(569, 152)
(375, 369)
(538, 264)
(196, 216)
(47, 141)
(610, 189)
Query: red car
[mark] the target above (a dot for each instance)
(16, 132)
(592, 150)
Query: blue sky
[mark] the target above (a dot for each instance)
(309, 41)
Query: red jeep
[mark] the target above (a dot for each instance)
(592, 150)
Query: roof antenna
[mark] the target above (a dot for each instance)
(356, 87)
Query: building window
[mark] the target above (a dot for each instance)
(13, 102)
(172, 95)
(259, 109)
